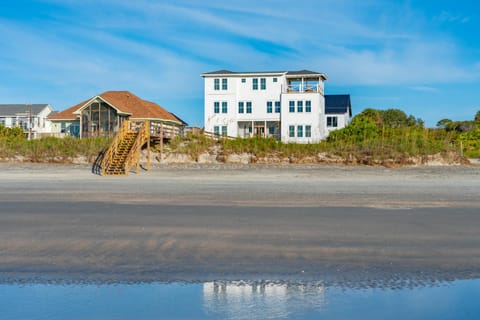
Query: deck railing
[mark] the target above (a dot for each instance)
(299, 88)
(163, 130)
(216, 136)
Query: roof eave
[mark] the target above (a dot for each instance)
(119, 112)
(308, 75)
(157, 119)
(66, 119)
(242, 74)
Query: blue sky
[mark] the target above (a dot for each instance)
(420, 56)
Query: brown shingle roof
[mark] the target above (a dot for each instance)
(126, 102)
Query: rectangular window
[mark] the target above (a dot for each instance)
(216, 84)
(216, 130)
(275, 79)
(263, 83)
(269, 106)
(244, 80)
(300, 131)
(14, 122)
(308, 131)
(249, 107)
(224, 131)
(241, 107)
(255, 84)
(292, 106)
(224, 84)
(299, 106)
(277, 106)
(291, 131)
(271, 130)
(216, 107)
(308, 106)
(224, 107)
(332, 122)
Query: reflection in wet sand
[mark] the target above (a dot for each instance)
(236, 300)
(261, 300)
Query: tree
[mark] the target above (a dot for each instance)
(477, 117)
(461, 126)
(442, 124)
(396, 118)
(372, 114)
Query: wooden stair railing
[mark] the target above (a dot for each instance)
(124, 151)
(133, 157)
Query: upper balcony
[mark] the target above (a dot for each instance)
(303, 86)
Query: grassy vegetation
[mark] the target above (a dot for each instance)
(373, 136)
(193, 145)
(13, 143)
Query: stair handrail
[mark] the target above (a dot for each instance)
(134, 153)
(110, 153)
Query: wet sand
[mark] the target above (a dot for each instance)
(196, 223)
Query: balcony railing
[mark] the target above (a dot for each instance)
(299, 88)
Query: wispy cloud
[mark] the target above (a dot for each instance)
(424, 89)
(449, 17)
(160, 48)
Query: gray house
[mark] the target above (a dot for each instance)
(33, 118)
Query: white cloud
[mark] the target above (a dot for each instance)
(160, 48)
(449, 17)
(424, 89)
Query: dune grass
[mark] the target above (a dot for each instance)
(14, 145)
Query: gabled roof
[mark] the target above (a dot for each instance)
(287, 73)
(124, 102)
(338, 104)
(9, 110)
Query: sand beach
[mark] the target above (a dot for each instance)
(201, 222)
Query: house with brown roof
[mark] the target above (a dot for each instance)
(102, 115)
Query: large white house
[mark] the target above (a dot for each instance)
(288, 105)
(33, 118)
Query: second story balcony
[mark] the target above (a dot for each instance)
(303, 86)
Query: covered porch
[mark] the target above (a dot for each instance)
(263, 129)
(308, 82)
(99, 119)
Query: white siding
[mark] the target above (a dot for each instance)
(303, 118)
(239, 91)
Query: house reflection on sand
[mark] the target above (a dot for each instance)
(261, 300)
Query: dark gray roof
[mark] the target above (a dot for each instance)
(13, 109)
(219, 72)
(338, 104)
(288, 73)
(301, 72)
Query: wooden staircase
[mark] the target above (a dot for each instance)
(124, 151)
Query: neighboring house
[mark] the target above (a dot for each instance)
(338, 111)
(33, 118)
(103, 114)
(286, 105)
